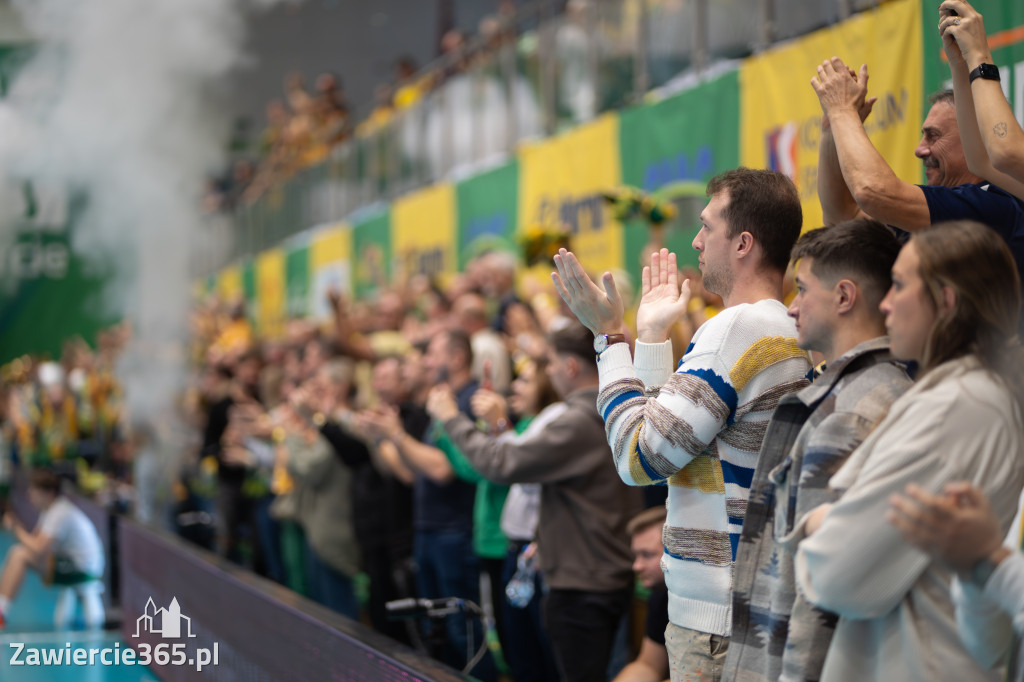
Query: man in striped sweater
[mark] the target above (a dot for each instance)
(699, 429)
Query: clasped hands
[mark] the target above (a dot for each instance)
(840, 89)
(956, 526)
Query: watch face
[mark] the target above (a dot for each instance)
(600, 343)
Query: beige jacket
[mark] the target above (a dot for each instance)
(896, 614)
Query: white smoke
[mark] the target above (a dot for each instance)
(120, 102)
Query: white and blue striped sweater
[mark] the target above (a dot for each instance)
(699, 431)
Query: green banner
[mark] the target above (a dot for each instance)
(486, 212)
(48, 293)
(673, 148)
(371, 248)
(296, 277)
(249, 286)
(1004, 24)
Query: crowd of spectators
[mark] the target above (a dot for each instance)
(68, 414)
(331, 459)
(304, 126)
(834, 468)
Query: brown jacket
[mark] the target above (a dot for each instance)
(584, 505)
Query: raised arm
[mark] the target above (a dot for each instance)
(426, 459)
(544, 453)
(650, 441)
(837, 204)
(992, 139)
(877, 190)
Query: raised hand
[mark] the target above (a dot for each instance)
(441, 403)
(838, 89)
(662, 300)
(382, 422)
(599, 311)
(864, 106)
(963, 33)
(490, 407)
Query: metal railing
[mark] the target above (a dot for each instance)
(545, 71)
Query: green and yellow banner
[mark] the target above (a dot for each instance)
(672, 149)
(560, 183)
(330, 267)
(780, 117)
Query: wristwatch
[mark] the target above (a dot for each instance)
(603, 341)
(989, 72)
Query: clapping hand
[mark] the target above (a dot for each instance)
(662, 300)
(490, 407)
(599, 311)
(839, 88)
(441, 403)
(381, 423)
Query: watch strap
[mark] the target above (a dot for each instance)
(610, 340)
(986, 71)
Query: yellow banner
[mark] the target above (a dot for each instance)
(270, 292)
(423, 239)
(229, 283)
(560, 181)
(780, 117)
(330, 262)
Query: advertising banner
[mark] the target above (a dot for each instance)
(423, 233)
(270, 292)
(229, 282)
(371, 250)
(48, 293)
(486, 212)
(296, 277)
(673, 148)
(560, 184)
(330, 263)
(779, 111)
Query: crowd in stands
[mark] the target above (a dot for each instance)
(304, 126)
(833, 470)
(68, 414)
(419, 438)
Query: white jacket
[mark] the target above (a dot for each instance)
(897, 621)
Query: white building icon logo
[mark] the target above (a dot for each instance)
(163, 622)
